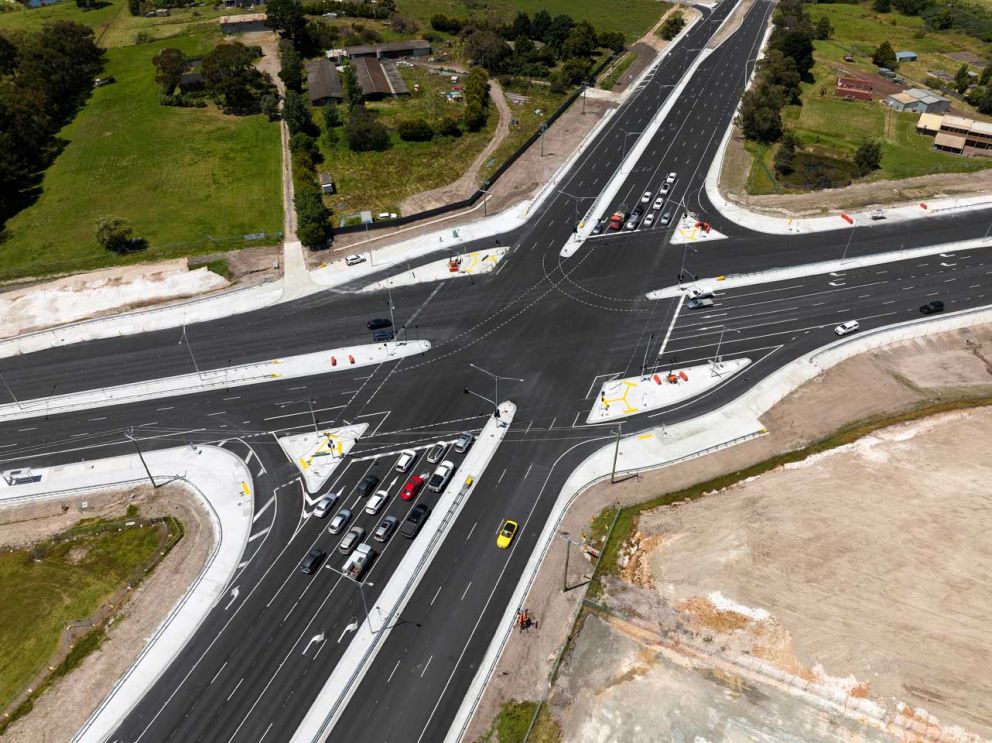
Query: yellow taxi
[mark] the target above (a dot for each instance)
(506, 534)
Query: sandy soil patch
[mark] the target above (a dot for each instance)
(100, 293)
(890, 380)
(59, 713)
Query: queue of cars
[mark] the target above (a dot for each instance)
(621, 220)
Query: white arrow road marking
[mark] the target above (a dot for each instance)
(315, 638)
(350, 628)
(234, 597)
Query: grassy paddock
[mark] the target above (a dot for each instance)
(529, 121)
(513, 720)
(177, 174)
(57, 582)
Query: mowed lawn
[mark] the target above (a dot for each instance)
(70, 582)
(179, 175)
(633, 18)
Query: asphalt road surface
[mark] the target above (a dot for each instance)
(254, 667)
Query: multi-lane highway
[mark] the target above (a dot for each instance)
(254, 667)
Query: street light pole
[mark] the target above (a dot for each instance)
(10, 391)
(544, 128)
(313, 415)
(496, 378)
(647, 348)
(616, 454)
(189, 347)
(850, 237)
(129, 434)
(389, 302)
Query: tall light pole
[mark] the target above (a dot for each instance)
(189, 346)
(647, 348)
(544, 128)
(129, 434)
(389, 303)
(10, 391)
(313, 415)
(496, 378)
(854, 226)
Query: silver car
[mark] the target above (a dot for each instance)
(464, 441)
(355, 535)
(340, 520)
(325, 504)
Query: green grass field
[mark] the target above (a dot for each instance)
(178, 175)
(528, 121)
(633, 18)
(70, 582)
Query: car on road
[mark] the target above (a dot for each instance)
(313, 560)
(847, 328)
(436, 452)
(616, 220)
(671, 178)
(376, 502)
(931, 307)
(646, 197)
(381, 336)
(649, 220)
(325, 504)
(378, 323)
(658, 202)
(412, 487)
(666, 218)
(506, 534)
(385, 529)
(367, 485)
(355, 535)
(441, 476)
(354, 260)
(700, 303)
(699, 292)
(415, 521)
(463, 442)
(598, 228)
(407, 458)
(340, 520)
(665, 188)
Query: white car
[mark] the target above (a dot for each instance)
(649, 220)
(657, 203)
(441, 476)
(847, 328)
(646, 197)
(671, 178)
(665, 188)
(340, 520)
(325, 504)
(699, 292)
(407, 458)
(376, 502)
(354, 260)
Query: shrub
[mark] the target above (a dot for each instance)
(414, 130)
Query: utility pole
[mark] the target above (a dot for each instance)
(313, 415)
(129, 434)
(190, 348)
(616, 454)
(849, 239)
(585, 87)
(647, 348)
(10, 391)
(544, 128)
(389, 302)
(567, 539)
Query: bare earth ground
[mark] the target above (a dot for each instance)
(888, 381)
(520, 182)
(59, 713)
(465, 186)
(737, 165)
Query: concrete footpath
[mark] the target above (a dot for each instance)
(473, 263)
(735, 281)
(223, 484)
(349, 671)
(290, 367)
(734, 423)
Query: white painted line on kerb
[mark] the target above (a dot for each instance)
(675, 317)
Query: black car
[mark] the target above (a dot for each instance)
(379, 322)
(418, 515)
(638, 212)
(366, 486)
(313, 560)
(931, 307)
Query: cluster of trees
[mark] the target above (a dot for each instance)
(981, 96)
(311, 214)
(964, 16)
(672, 26)
(229, 75)
(45, 76)
(380, 11)
(532, 46)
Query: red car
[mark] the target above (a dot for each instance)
(412, 487)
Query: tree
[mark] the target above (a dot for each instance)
(798, 45)
(290, 66)
(363, 132)
(962, 79)
(301, 142)
(269, 105)
(824, 29)
(983, 101)
(170, 63)
(581, 41)
(882, 6)
(868, 156)
(561, 25)
(885, 56)
(353, 94)
(785, 156)
(540, 25)
(985, 78)
(296, 113)
(759, 117)
(414, 130)
(229, 72)
(474, 116)
(780, 71)
(8, 56)
(332, 116)
(113, 233)
(612, 40)
(485, 48)
(287, 18)
(672, 25)
(520, 28)
(448, 127)
(575, 70)
(311, 216)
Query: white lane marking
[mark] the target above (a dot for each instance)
(392, 672)
(258, 534)
(218, 672)
(501, 477)
(426, 666)
(465, 591)
(264, 508)
(436, 595)
(235, 688)
(471, 531)
(671, 327)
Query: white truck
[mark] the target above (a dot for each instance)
(359, 560)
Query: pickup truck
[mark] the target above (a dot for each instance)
(617, 220)
(359, 560)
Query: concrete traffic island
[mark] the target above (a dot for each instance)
(290, 367)
(372, 631)
(473, 263)
(317, 454)
(620, 398)
(690, 229)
